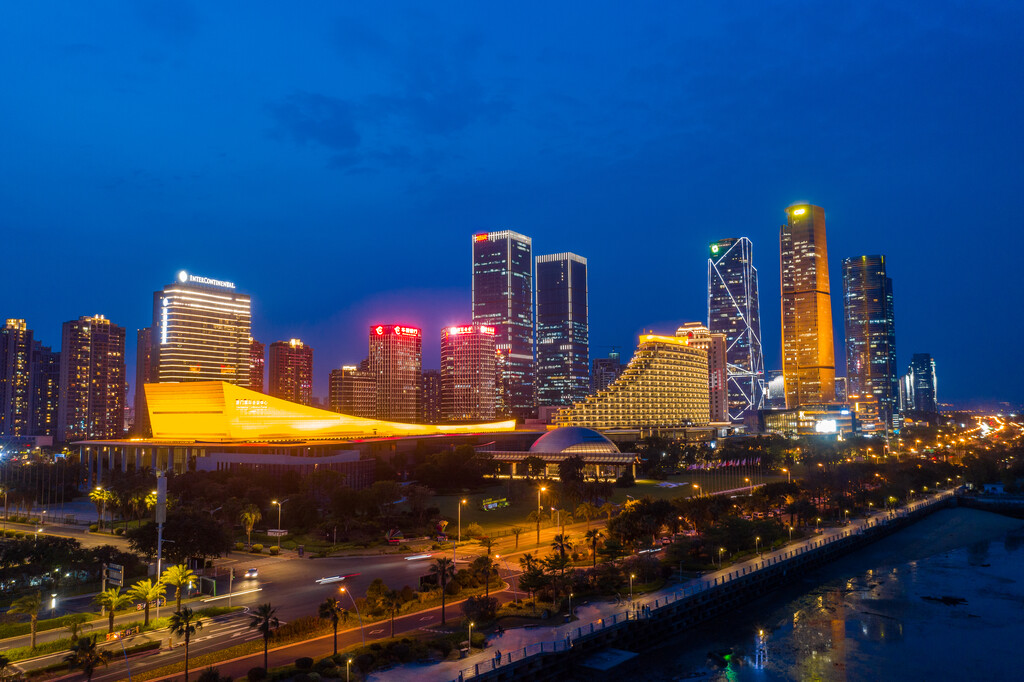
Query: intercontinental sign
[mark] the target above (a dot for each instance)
(188, 278)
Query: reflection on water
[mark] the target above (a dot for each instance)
(872, 624)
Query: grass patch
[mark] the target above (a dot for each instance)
(20, 653)
(42, 625)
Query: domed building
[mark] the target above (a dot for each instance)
(601, 457)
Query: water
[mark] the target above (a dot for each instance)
(864, 618)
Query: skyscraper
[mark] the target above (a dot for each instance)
(467, 373)
(201, 330)
(870, 324)
(352, 391)
(143, 375)
(92, 380)
(924, 387)
(396, 362)
(15, 378)
(605, 372)
(563, 341)
(699, 336)
(734, 310)
(774, 390)
(808, 360)
(291, 371)
(256, 360)
(430, 404)
(503, 299)
(45, 381)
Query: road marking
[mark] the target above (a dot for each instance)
(425, 618)
(374, 632)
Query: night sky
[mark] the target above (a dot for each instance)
(333, 161)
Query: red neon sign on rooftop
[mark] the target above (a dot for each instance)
(480, 237)
(469, 329)
(396, 330)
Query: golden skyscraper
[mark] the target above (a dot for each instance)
(808, 359)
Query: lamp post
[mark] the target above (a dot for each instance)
(348, 667)
(817, 524)
(471, 636)
(631, 576)
(791, 532)
(356, 607)
(103, 506)
(459, 537)
(721, 551)
(846, 516)
(697, 488)
(279, 505)
(757, 543)
(539, 512)
(789, 477)
(570, 606)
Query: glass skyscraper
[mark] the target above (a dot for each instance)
(808, 356)
(734, 310)
(563, 340)
(923, 385)
(503, 299)
(870, 325)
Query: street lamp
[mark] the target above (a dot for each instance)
(471, 636)
(348, 666)
(818, 523)
(539, 511)
(791, 532)
(697, 488)
(757, 542)
(570, 606)
(789, 478)
(279, 505)
(631, 576)
(846, 515)
(356, 607)
(103, 506)
(721, 551)
(456, 543)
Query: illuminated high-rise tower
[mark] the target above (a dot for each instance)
(734, 310)
(699, 336)
(15, 378)
(257, 358)
(92, 380)
(563, 342)
(396, 362)
(808, 360)
(503, 299)
(201, 331)
(291, 371)
(924, 387)
(45, 390)
(467, 373)
(870, 325)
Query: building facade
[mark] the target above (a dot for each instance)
(396, 363)
(257, 358)
(923, 386)
(503, 298)
(92, 380)
(808, 359)
(15, 378)
(430, 404)
(775, 390)
(45, 381)
(841, 389)
(201, 331)
(352, 391)
(605, 371)
(734, 309)
(468, 373)
(291, 371)
(665, 385)
(563, 340)
(870, 324)
(699, 336)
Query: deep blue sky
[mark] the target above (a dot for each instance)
(334, 161)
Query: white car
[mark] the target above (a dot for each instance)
(251, 573)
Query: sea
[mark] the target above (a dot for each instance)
(941, 600)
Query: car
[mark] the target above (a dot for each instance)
(251, 573)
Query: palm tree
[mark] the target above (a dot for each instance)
(179, 576)
(29, 605)
(608, 509)
(517, 531)
(443, 569)
(331, 610)
(392, 603)
(562, 544)
(99, 497)
(111, 599)
(249, 517)
(593, 538)
(587, 511)
(527, 561)
(185, 623)
(148, 591)
(73, 622)
(86, 656)
(265, 621)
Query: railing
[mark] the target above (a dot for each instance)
(641, 609)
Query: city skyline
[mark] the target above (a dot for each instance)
(445, 138)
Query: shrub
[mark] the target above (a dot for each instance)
(304, 663)
(257, 548)
(301, 626)
(480, 608)
(119, 531)
(239, 546)
(274, 550)
(443, 646)
(211, 674)
(256, 674)
(93, 527)
(364, 662)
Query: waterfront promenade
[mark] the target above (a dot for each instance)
(518, 644)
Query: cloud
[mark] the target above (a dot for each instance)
(313, 117)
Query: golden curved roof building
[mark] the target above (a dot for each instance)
(664, 385)
(216, 411)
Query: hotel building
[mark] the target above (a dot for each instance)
(699, 336)
(291, 371)
(201, 331)
(468, 373)
(503, 298)
(808, 360)
(92, 380)
(563, 342)
(396, 363)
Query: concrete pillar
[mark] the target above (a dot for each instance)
(124, 458)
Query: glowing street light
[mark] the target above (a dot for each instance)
(455, 544)
(279, 505)
(471, 636)
(631, 576)
(757, 543)
(721, 551)
(789, 477)
(540, 490)
(356, 607)
(348, 670)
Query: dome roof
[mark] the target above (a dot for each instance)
(573, 439)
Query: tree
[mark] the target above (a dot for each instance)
(608, 510)
(29, 605)
(593, 538)
(99, 497)
(179, 576)
(517, 531)
(533, 579)
(249, 517)
(264, 620)
(73, 622)
(330, 609)
(185, 623)
(392, 603)
(418, 497)
(535, 465)
(148, 591)
(562, 544)
(587, 511)
(527, 561)
(570, 470)
(86, 656)
(196, 535)
(111, 599)
(443, 569)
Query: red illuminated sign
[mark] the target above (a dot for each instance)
(406, 331)
(480, 237)
(379, 330)
(487, 330)
(469, 329)
(397, 330)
